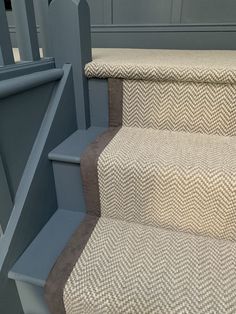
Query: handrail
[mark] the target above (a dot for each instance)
(20, 84)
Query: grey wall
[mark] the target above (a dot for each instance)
(173, 24)
(162, 11)
(190, 24)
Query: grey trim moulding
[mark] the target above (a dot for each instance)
(179, 36)
(15, 85)
(163, 28)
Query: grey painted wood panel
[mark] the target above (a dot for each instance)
(165, 37)
(208, 11)
(176, 11)
(66, 159)
(98, 97)
(101, 11)
(36, 262)
(69, 188)
(20, 119)
(141, 12)
(32, 298)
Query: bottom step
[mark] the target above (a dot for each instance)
(31, 270)
(128, 268)
(132, 268)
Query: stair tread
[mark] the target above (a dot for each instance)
(136, 63)
(36, 262)
(182, 181)
(71, 149)
(138, 268)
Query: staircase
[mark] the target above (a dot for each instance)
(146, 219)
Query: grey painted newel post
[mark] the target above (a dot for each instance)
(6, 55)
(26, 29)
(71, 41)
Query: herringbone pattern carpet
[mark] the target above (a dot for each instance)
(131, 268)
(164, 65)
(178, 106)
(176, 180)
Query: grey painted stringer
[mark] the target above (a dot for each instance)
(35, 200)
(71, 40)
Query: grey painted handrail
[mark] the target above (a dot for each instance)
(20, 84)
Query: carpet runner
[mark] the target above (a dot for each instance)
(160, 190)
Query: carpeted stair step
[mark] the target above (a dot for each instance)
(176, 180)
(132, 268)
(190, 91)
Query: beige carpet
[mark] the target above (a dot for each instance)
(180, 106)
(175, 180)
(131, 268)
(171, 65)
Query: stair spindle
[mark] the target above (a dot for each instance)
(26, 29)
(6, 54)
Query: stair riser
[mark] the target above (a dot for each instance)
(180, 106)
(32, 298)
(68, 186)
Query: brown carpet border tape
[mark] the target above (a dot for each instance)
(115, 89)
(65, 263)
(89, 171)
